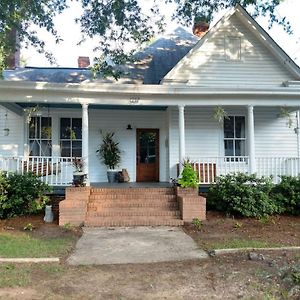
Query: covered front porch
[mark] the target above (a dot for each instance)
(255, 139)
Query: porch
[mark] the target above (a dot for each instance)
(58, 171)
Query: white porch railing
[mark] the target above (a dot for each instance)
(56, 171)
(208, 168)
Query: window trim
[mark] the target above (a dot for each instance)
(40, 139)
(227, 39)
(70, 139)
(234, 138)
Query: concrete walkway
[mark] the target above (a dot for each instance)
(101, 246)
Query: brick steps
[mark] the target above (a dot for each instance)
(134, 213)
(133, 204)
(141, 221)
(132, 196)
(133, 207)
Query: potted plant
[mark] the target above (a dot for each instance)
(188, 181)
(110, 155)
(78, 174)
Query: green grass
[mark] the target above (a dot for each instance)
(14, 276)
(23, 245)
(242, 243)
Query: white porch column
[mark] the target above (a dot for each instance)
(85, 140)
(251, 141)
(25, 136)
(181, 136)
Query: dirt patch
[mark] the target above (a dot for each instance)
(40, 228)
(219, 229)
(226, 277)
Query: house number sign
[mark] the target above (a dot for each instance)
(134, 100)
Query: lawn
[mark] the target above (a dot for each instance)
(26, 245)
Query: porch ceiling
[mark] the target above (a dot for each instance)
(145, 95)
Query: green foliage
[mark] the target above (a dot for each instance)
(114, 23)
(109, 151)
(28, 227)
(241, 194)
(23, 194)
(189, 178)
(197, 223)
(287, 194)
(238, 225)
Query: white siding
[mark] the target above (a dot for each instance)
(204, 135)
(117, 121)
(207, 65)
(11, 145)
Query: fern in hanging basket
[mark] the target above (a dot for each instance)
(109, 152)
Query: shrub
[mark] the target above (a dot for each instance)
(287, 195)
(3, 190)
(241, 194)
(189, 178)
(25, 194)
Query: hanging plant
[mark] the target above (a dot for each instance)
(30, 111)
(285, 113)
(220, 114)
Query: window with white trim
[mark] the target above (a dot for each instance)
(40, 136)
(71, 137)
(234, 136)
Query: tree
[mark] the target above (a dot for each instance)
(114, 22)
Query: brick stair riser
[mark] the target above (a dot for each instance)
(122, 223)
(144, 191)
(129, 205)
(131, 196)
(134, 213)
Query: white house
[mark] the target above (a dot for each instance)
(163, 110)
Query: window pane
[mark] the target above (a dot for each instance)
(34, 148)
(46, 147)
(46, 131)
(76, 129)
(240, 127)
(228, 144)
(65, 149)
(239, 148)
(34, 128)
(229, 127)
(76, 149)
(65, 128)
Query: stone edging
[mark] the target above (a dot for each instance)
(29, 260)
(215, 252)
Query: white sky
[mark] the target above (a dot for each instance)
(67, 52)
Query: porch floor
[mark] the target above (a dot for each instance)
(131, 185)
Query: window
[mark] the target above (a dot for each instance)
(234, 136)
(233, 48)
(71, 137)
(40, 136)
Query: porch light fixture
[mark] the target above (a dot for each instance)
(129, 127)
(5, 129)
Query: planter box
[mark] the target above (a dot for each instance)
(186, 191)
(192, 207)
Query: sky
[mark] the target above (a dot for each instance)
(67, 52)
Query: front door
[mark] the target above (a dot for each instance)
(147, 155)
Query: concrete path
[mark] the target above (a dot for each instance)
(101, 246)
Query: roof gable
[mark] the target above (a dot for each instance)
(235, 52)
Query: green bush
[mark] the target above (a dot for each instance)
(244, 195)
(287, 195)
(189, 178)
(22, 194)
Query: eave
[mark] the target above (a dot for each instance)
(158, 95)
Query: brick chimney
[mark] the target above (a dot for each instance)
(83, 62)
(200, 28)
(13, 59)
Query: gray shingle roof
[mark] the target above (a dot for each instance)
(152, 64)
